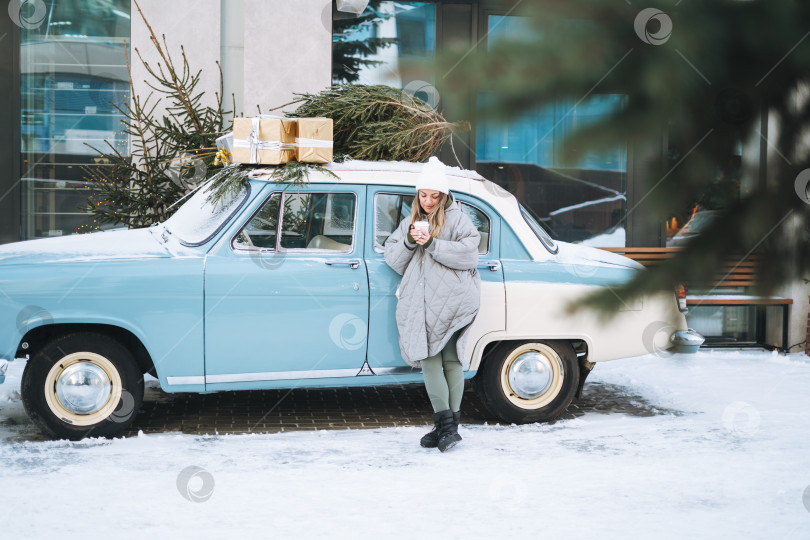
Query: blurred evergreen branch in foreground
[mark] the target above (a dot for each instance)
(724, 71)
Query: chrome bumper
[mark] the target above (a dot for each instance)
(686, 341)
(3, 368)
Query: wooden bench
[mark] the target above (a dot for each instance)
(730, 288)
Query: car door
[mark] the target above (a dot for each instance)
(387, 206)
(286, 297)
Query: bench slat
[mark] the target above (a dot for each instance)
(751, 301)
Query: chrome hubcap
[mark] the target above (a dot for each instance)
(531, 375)
(83, 388)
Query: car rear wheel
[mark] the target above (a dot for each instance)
(529, 381)
(81, 385)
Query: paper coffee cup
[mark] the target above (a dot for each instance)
(423, 226)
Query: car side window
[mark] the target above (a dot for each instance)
(318, 221)
(389, 211)
(261, 230)
(481, 222)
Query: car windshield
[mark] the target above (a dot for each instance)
(541, 233)
(199, 219)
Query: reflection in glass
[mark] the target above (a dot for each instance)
(196, 221)
(581, 200)
(260, 232)
(724, 189)
(72, 66)
(318, 221)
(724, 324)
(370, 49)
(481, 222)
(389, 211)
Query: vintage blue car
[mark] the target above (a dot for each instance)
(280, 286)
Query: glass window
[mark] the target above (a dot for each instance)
(323, 221)
(391, 208)
(389, 211)
(726, 187)
(481, 222)
(725, 324)
(72, 75)
(370, 48)
(541, 233)
(198, 219)
(579, 201)
(261, 231)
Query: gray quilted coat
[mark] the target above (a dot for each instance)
(440, 292)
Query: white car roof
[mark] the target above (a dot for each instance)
(405, 173)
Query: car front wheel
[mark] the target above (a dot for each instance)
(80, 385)
(529, 381)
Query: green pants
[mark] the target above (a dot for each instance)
(444, 377)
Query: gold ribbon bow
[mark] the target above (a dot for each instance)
(223, 156)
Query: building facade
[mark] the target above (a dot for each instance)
(67, 79)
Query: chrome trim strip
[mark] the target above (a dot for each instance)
(195, 379)
(396, 370)
(365, 370)
(291, 375)
(281, 375)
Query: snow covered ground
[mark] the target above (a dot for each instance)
(732, 462)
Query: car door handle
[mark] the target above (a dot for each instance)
(493, 265)
(353, 263)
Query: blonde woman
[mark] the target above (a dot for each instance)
(439, 298)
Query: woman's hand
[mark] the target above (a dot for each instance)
(419, 236)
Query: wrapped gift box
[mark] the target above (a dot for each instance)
(225, 143)
(314, 141)
(266, 140)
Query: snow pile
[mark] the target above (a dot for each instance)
(730, 461)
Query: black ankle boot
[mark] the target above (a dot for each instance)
(431, 439)
(448, 433)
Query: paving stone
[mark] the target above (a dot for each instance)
(278, 411)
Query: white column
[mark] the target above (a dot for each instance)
(288, 48)
(268, 49)
(232, 54)
(194, 24)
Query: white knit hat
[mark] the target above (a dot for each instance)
(433, 176)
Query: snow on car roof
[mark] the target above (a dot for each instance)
(383, 166)
(397, 166)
